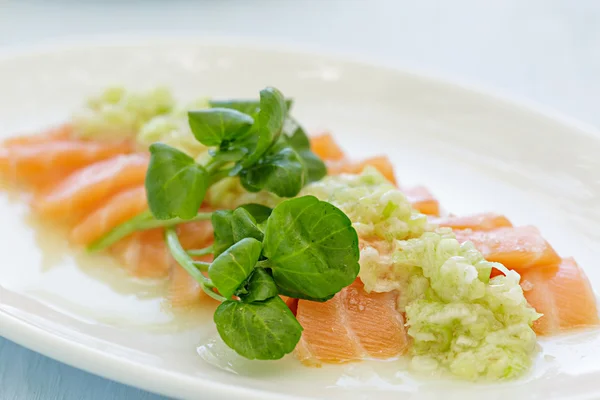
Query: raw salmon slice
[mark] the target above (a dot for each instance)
(326, 147)
(476, 222)
(184, 291)
(351, 326)
(118, 209)
(381, 163)
(291, 303)
(144, 254)
(47, 162)
(329, 151)
(60, 132)
(90, 187)
(564, 296)
(517, 248)
(195, 235)
(422, 200)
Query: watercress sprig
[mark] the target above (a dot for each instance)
(304, 248)
(256, 140)
(252, 146)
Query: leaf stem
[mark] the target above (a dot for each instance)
(264, 264)
(201, 252)
(182, 258)
(218, 175)
(208, 290)
(141, 222)
(180, 255)
(202, 265)
(213, 165)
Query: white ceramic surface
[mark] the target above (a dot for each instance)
(476, 152)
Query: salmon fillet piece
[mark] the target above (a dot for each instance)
(90, 187)
(563, 295)
(352, 326)
(326, 148)
(422, 200)
(195, 235)
(476, 222)
(345, 166)
(60, 132)
(184, 291)
(291, 303)
(45, 163)
(144, 254)
(517, 248)
(118, 209)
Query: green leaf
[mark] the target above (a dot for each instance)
(222, 230)
(232, 267)
(228, 155)
(297, 137)
(214, 126)
(269, 123)
(280, 171)
(246, 222)
(244, 225)
(250, 107)
(175, 184)
(312, 248)
(289, 103)
(259, 287)
(258, 211)
(258, 331)
(315, 167)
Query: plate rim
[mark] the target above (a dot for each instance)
(109, 366)
(148, 38)
(161, 381)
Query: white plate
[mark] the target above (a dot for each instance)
(476, 152)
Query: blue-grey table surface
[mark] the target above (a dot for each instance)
(545, 51)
